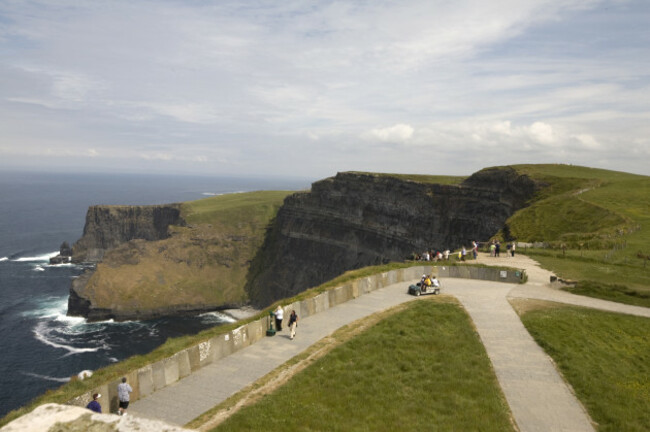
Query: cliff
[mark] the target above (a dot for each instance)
(354, 220)
(232, 250)
(180, 259)
(109, 226)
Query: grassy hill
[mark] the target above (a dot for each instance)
(596, 224)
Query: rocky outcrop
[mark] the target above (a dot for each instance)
(106, 228)
(109, 226)
(64, 418)
(64, 256)
(354, 220)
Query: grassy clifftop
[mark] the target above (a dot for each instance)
(204, 263)
(597, 226)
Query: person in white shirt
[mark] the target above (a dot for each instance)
(123, 390)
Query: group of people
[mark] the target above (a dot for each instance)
(428, 281)
(433, 256)
(495, 248)
(123, 394)
(293, 321)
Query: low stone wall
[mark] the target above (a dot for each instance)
(153, 377)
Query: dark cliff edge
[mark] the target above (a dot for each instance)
(355, 220)
(107, 227)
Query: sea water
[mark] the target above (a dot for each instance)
(41, 347)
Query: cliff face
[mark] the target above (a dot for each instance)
(154, 261)
(345, 222)
(355, 220)
(106, 228)
(109, 226)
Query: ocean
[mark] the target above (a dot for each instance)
(42, 347)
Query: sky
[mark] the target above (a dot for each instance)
(312, 88)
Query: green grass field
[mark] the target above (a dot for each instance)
(420, 178)
(419, 370)
(605, 357)
(597, 226)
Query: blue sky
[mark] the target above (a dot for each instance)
(310, 88)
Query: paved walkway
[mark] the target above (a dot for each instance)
(538, 397)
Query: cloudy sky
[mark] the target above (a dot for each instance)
(310, 88)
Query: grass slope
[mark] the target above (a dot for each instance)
(421, 369)
(605, 357)
(597, 225)
(204, 264)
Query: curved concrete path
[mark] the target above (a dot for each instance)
(538, 397)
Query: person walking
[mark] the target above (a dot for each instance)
(279, 315)
(293, 323)
(475, 249)
(123, 390)
(512, 249)
(94, 405)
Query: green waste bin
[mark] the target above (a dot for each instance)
(271, 330)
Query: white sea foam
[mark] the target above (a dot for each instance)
(46, 377)
(4, 259)
(216, 317)
(38, 268)
(39, 258)
(68, 264)
(44, 334)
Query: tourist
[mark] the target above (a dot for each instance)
(512, 249)
(93, 405)
(293, 323)
(123, 390)
(493, 249)
(497, 249)
(475, 249)
(463, 253)
(279, 314)
(447, 252)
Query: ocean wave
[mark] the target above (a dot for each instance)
(45, 335)
(4, 259)
(50, 307)
(216, 318)
(38, 268)
(46, 377)
(38, 258)
(68, 264)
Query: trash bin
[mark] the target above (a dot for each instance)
(271, 330)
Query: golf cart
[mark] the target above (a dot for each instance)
(421, 288)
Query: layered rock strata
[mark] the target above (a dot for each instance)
(109, 226)
(355, 220)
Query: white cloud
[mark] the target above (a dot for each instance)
(398, 133)
(542, 133)
(231, 83)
